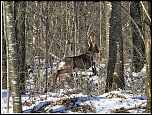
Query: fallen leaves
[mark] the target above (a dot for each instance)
(84, 109)
(115, 95)
(69, 104)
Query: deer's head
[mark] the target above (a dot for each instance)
(92, 46)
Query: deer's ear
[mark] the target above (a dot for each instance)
(90, 41)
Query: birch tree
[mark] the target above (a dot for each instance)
(13, 57)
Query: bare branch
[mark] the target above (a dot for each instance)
(140, 33)
(145, 11)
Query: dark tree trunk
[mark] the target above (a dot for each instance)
(112, 48)
(119, 67)
(19, 16)
(138, 44)
(4, 57)
(115, 61)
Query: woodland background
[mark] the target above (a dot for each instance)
(36, 34)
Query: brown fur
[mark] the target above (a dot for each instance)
(80, 62)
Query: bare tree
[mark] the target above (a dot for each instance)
(115, 63)
(100, 50)
(106, 35)
(119, 67)
(146, 6)
(4, 54)
(19, 15)
(13, 57)
(138, 44)
(46, 43)
(5, 59)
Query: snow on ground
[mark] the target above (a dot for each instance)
(105, 103)
(61, 102)
(141, 73)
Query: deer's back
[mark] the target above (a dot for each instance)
(82, 61)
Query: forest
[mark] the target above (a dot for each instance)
(54, 52)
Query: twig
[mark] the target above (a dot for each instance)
(140, 33)
(145, 11)
(123, 110)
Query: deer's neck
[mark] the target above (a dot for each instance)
(89, 54)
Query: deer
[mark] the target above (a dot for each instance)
(81, 62)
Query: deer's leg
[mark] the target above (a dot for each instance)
(59, 73)
(54, 78)
(94, 70)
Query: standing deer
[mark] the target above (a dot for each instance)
(76, 63)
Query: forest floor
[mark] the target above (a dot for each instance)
(69, 100)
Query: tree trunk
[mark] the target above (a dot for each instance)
(46, 44)
(106, 15)
(115, 51)
(138, 44)
(100, 50)
(147, 36)
(20, 37)
(4, 54)
(119, 67)
(148, 71)
(5, 59)
(13, 57)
